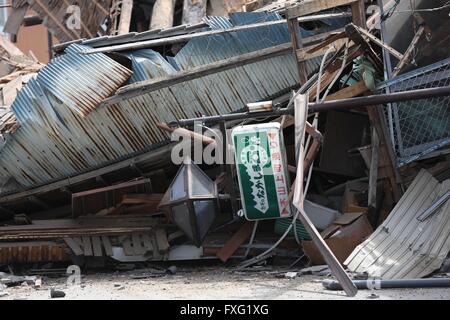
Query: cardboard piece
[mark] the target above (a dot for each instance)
(343, 236)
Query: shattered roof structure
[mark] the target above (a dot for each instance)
(61, 135)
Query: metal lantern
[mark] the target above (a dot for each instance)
(191, 202)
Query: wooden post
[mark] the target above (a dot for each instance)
(125, 17)
(297, 44)
(162, 15)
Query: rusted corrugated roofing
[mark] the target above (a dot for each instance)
(61, 135)
(403, 247)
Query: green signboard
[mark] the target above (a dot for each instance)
(262, 171)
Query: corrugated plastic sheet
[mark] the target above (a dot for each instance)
(56, 141)
(403, 247)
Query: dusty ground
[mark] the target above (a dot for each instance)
(211, 283)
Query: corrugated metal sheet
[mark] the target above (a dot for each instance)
(56, 141)
(404, 247)
(71, 78)
(135, 36)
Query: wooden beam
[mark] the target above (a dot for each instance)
(74, 246)
(15, 20)
(377, 41)
(312, 6)
(349, 92)
(188, 134)
(297, 44)
(308, 54)
(242, 235)
(135, 199)
(125, 17)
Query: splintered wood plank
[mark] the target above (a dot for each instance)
(10, 90)
(242, 235)
(349, 92)
(107, 246)
(97, 246)
(74, 246)
(308, 54)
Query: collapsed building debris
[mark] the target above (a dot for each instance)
(87, 168)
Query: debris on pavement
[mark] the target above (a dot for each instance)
(57, 294)
(306, 136)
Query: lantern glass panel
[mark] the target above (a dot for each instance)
(201, 185)
(205, 213)
(178, 190)
(181, 217)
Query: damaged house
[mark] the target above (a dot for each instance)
(334, 129)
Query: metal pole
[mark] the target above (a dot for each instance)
(367, 101)
(301, 111)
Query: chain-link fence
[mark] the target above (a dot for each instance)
(419, 127)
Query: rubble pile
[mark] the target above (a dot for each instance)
(297, 134)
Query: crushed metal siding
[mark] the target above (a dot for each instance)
(403, 247)
(419, 127)
(55, 141)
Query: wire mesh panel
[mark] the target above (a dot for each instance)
(419, 127)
